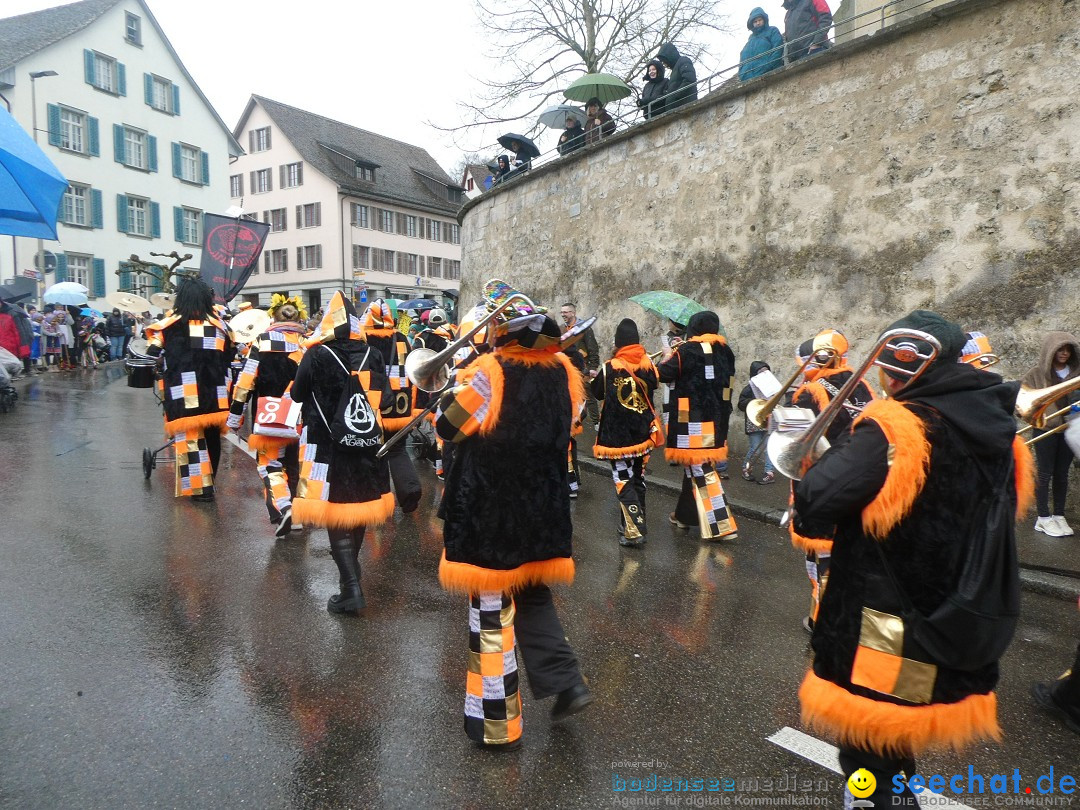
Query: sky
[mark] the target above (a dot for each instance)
(386, 66)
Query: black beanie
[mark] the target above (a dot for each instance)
(626, 333)
(949, 335)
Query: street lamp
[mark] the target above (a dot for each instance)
(34, 76)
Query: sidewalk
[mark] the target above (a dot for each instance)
(767, 503)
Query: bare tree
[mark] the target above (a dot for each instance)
(538, 47)
(467, 159)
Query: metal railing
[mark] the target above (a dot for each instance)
(872, 18)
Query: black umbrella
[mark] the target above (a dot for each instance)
(527, 146)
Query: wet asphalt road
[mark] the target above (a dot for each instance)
(160, 653)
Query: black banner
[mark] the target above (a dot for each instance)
(231, 250)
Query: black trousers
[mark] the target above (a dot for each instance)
(548, 657)
(403, 475)
(883, 769)
(1067, 690)
(213, 448)
(685, 508)
(1054, 457)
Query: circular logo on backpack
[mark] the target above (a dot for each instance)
(359, 417)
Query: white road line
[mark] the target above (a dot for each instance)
(232, 438)
(828, 756)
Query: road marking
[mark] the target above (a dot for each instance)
(828, 756)
(232, 438)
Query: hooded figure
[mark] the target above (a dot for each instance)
(900, 496)
(1059, 361)
(764, 50)
(504, 169)
(700, 371)
(599, 124)
(629, 427)
(682, 83)
(343, 489)
(806, 27)
(652, 101)
(573, 136)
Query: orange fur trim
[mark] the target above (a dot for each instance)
(342, 515)
(710, 339)
(493, 371)
(199, 422)
(644, 365)
(816, 545)
(816, 392)
(395, 423)
(379, 332)
(469, 579)
(891, 729)
(1025, 477)
(600, 451)
(529, 357)
(576, 381)
(687, 457)
(257, 442)
(907, 470)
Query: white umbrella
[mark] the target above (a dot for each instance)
(556, 116)
(66, 293)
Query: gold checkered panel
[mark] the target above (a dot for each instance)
(880, 664)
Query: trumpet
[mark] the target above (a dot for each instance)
(675, 341)
(792, 453)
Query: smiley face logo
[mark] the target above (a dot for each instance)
(861, 783)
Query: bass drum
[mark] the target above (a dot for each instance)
(140, 373)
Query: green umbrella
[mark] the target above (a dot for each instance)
(668, 305)
(603, 86)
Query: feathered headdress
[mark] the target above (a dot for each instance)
(277, 301)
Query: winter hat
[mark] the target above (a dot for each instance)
(703, 323)
(904, 356)
(339, 322)
(626, 333)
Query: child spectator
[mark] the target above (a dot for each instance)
(755, 435)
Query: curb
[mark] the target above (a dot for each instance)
(1036, 582)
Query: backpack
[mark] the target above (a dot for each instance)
(356, 426)
(975, 623)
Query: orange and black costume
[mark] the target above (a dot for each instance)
(698, 412)
(907, 482)
(506, 512)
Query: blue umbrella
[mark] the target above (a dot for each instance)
(417, 303)
(31, 187)
(91, 311)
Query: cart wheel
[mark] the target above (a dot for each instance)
(147, 461)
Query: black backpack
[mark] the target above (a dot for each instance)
(975, 623)
(356, 426)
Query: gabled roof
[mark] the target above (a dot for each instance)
(26, 34)
(478, 171)
(406, 174)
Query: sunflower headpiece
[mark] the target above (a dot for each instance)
(277, 301)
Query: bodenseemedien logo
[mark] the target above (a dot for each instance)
(861, 783)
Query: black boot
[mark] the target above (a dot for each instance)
(346, 552)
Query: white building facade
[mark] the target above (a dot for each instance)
(144, 152)
(347, 209)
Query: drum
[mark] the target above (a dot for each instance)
(140, 372)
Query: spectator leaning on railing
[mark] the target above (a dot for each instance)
(806, 27)
(682, 81)
(652, 101)
(764, 51)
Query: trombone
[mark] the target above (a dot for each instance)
(1031, 404)
(429, 370)
(793, 452)
(759, 410)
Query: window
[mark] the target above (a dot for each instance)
(453, 269)
(434, 230)
(134, 148)
(190, 231)
(387, 221)
(469, 184)
(309, 216)
(309, 257)
(132, 29)
(261, 182)
(76, 209)
(361, 216)
(382, 260)
(259, 139)
(409, 263)
(72, 130)
(236, 185)
(455, 195)
(276, 261)
(434, 267)
(455, 234)
(366, 173)
(189, 164)
(161, 93)
(278, 220)
(292, 175)
(78, 269)
(104, 73)
(361, 257)
(136, 216)
(410, 225)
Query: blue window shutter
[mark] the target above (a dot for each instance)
(88, 66)
(155, 220)
(118, 142)
(205, 168)
(99, 277)
(93, 136)
(121, 213)
(54, 124)
(148, 88)
(151, 153)
(176, 170)
(125, 277)
(96, 214)
(61, 267)
(121, 78)
(175, 100)
(178, 222)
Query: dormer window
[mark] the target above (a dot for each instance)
(455, 195)
(365, 172)
(132, 29)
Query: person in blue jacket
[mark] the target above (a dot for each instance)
(765, 43)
